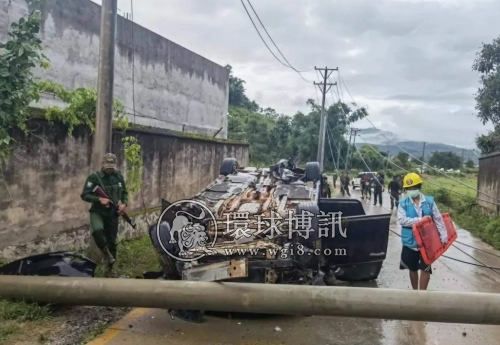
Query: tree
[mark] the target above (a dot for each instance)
(19, 56)
(469, 163)
(237, 93)
(487, 63)
(273, 136)
(403, 157)
(445, 160)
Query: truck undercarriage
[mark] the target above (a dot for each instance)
(274, 248)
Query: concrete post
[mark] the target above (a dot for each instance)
(323, 119)
(432, 306)
(105, 83)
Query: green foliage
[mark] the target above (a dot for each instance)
(489, 143)
(81, 108)
(133, 158)
(19, 55)
(445, 160)
(470, 164)
(274, 136)
(237, 95)
(487, 63)
(372, 158)
(23, 311)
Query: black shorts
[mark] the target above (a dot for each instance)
(412, 260)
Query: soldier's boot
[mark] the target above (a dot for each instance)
(110, 260)
(110, 272)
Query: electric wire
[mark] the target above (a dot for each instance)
(445, 256)
(407, 171)
(268, 35)
(265, 43)
(436, 169)
(412, 156)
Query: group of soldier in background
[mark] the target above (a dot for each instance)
(376, 183)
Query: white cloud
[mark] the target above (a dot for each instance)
(409, 61)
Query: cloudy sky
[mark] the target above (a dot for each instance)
(408, 61)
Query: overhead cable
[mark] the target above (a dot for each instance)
(412, 156)
(436, 169)
(394, 232)
(287, 64)
(407, 171)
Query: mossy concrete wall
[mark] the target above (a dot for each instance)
(40, 205)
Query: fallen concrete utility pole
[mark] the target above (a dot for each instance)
(432, 306)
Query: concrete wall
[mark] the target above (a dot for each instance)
(174, 87)
(40, 205)
(489, 181)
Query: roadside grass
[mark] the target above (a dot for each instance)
(463, 208)
(467, 184)
(32, 323)
(19, 319)
(134, 257)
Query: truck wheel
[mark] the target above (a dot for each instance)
(228, 166)
(167, 263)
(359, 273)
(313, 208)
(313, 172)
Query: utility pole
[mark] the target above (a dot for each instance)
(463, 152)
(355, 131)
(387, 163)
(338, 157)
(325, 73)
(423, 160)
(105, 82)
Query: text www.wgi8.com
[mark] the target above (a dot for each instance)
(286, 252)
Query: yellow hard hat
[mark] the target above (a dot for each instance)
(411, 180)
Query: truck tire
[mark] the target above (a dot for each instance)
(313, 173)
(228, 166)
(360, 273)
(309, 206)
(167, 263)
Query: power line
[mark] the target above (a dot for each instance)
(434, 184)
(267, 46)
(342, 81)
(423, 163)
(447, 257)
(263, 26)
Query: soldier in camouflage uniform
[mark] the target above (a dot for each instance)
(103, 220)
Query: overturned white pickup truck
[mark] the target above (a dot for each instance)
(269, 225)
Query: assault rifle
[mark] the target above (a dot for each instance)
(101, 193)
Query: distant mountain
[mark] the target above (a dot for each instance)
(379, 137)
(414, 148)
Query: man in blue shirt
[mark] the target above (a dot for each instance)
(412, 209)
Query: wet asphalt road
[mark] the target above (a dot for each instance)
(151, 327)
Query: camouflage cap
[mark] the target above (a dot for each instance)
(109, 161)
